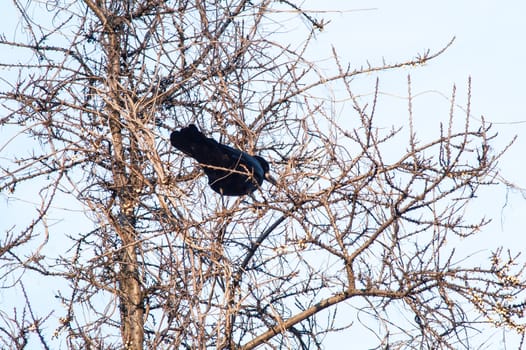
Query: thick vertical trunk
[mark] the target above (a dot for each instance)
(131, 300)
(131, 294)
(130, 289)
(127, 190)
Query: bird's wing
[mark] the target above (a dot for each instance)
(241, 159)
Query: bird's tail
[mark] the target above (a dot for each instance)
(191, 141)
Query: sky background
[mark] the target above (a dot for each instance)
(490, 47)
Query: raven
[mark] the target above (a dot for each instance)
(230, 172)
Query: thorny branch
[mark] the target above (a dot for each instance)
(363, 219)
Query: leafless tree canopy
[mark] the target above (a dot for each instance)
(359, 224)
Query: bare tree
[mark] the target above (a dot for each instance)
(362, 213)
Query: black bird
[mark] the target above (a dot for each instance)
(230, 172)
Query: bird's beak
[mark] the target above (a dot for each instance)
(270, 179)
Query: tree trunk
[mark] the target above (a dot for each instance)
(127, 189)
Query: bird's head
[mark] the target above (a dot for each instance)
(266, 169)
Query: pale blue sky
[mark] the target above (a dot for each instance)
(489, 47)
